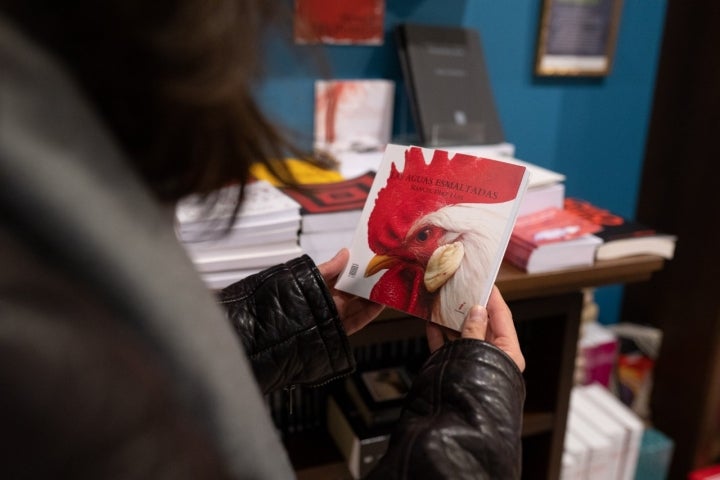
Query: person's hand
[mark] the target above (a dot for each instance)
(493, 324)
(355, 312)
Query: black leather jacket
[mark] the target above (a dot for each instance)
(463, 416)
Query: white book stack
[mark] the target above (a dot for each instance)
(626, 418)
(546, 188)
(264, 234)
(608, 429)
(575, 459)
(599, 463)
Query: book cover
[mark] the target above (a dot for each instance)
(620, 236)
(448, 85)
(333, 205)
(433, 232)
(597, 352)
(353, 115)
(552, 239)
(359, 22)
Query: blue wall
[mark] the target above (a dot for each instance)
(592, 130)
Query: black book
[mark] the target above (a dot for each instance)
(448, 85)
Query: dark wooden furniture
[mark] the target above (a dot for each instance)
(677, 195)
(546, 309)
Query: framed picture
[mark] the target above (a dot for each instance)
(577, 37)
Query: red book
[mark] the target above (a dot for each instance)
(622, 237)
(333, 205)
(552, 239)
(433, 232)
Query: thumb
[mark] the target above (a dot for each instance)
(475, 324)
(333, 267)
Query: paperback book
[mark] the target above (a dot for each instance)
(622, 237)
(552, 239)
(331, 206)
(433, 232)
(353, 115)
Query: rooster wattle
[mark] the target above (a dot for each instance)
(437, 240)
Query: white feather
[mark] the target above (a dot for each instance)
(480, 228)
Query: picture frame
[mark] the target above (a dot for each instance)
(577, 37)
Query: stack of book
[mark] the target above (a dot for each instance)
(361, 415)
(264, 234)
(330, 213)
(546, 188)
(602, 438)
(552, 239)
(620, 236)
(578, 234)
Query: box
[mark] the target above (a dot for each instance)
(361, 446)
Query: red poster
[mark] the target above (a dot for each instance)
(359, 22)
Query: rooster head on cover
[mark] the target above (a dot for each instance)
(436, 230)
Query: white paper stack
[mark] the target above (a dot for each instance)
(264, 234)
(602, 434)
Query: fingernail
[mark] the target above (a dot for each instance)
(476, 313)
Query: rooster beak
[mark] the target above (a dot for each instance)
(442, 265)
(379, 262)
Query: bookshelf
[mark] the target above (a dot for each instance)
(546, 308)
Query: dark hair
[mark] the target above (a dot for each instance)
(172, 79)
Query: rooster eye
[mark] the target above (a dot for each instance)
(423, 235)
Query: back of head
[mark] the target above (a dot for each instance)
(172, 79)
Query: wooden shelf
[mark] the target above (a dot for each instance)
(516, 284)
(546, 309)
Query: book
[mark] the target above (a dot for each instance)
(353, 115)
(575, 459)
(620, 236)
(541, 197)
(604, 424)
(656, 454)
(552, 239)
(448, 85)
(546, 188)
(378, 394)
(256, 256)
(263, 204)
(322, 246)
(600, 463)
(597, 353)
(626, 418)
(433, 232)
(264, 233)
(331, 206)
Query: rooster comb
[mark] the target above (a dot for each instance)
(423, 187)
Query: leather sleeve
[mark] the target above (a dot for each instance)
(462, 418)
(289, 325)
